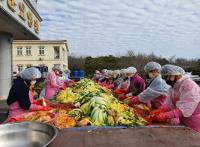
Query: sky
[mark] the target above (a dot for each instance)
(112, 27)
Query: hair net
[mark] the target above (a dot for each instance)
(172, 70)
(110, 72)
(30, 74)
(104, 71)
(56, 67)
(123, 71)
(181, 70)
(131, 70)
(152, 66)
(117, 72)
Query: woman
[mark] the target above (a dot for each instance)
(132, 85)
(156, 92)
(20, 98)
(116, 79)
(137, 83)
(184, 97)
(51, 84)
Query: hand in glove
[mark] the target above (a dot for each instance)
(162, 109)
(121, 97)
(134, 100)
(46, 108)
(162, 117)
(175, 121)
(36, 102)
(61, 88)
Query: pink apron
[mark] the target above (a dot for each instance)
(186, 96)
(51, 86)
(15, 111)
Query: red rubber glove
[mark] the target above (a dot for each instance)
(134, 100)
(61, 88)
(162, 117)
(162, 109)
(36, 102)
(46, 108)
(121, 97)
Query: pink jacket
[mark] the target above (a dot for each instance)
(51, 85)
(184, 101)
(16, 111)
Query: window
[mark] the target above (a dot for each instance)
(28, 51)
(20, 68)
(56, 52)
(19, 51)
(28, 65)
(63, 54)
(41, 51)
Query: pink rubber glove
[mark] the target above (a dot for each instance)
(175, 121)
(134, 100)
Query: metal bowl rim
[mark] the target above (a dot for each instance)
(30, 122)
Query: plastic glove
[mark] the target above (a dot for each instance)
(134, 100)
(162, 109)
(36, 102)
(175, 121)
(46, 108)
(162, 117)
(61, 88)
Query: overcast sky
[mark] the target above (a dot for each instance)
(104, 27)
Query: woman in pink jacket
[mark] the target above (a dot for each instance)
(51, 85)
(184, 97)
(20, 98)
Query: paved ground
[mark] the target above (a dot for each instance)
(132, 137)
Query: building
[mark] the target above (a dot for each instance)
(19, 20)
(26, 53)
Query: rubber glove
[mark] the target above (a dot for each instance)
(121, 97)
(61, 88)
(162, 109)
(36, 102)
(46, 108)
(163, 117)
(175, 121)
(134, 100)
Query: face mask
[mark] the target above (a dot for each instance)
(171, 81)
(147, 76)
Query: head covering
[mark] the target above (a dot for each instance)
(31, 73)
(56, 67)
(131, 70)
(104, 70)
(152, 66)
(123, 71)
(110, 72)
(116, 72)
(172, 70)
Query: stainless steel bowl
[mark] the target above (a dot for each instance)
(26, 134)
